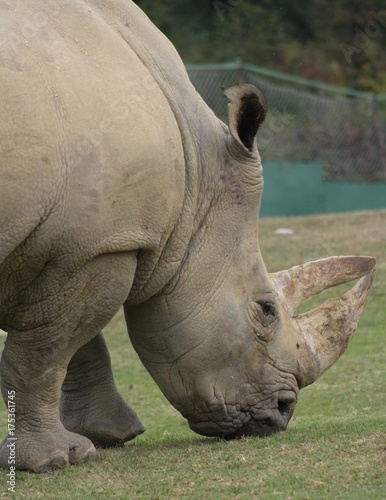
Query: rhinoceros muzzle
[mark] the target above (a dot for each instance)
(267, 422)
(262, 423)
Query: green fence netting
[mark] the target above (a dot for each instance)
(308, 122)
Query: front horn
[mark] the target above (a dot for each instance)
(324, 333)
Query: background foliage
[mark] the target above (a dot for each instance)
(340, 42)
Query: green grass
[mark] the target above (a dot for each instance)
(335, 446)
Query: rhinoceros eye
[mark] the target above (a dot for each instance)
(268, 308)
(266, 312)
(264, 316)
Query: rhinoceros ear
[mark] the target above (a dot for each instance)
(246, 112)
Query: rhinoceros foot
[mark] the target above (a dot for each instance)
(41, 452)
(110, 424)
(90, 403)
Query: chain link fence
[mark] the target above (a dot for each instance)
(308, 122)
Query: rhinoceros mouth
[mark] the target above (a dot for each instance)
(257, 423)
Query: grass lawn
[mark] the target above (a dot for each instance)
(335, 446)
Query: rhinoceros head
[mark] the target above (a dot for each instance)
(223, 339)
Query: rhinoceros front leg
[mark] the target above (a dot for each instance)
(90, 403)
(41, 442)
(35, 359)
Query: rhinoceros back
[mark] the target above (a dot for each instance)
(83, 125)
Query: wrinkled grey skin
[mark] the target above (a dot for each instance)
(120, 186)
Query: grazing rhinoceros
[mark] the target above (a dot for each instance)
(120, 186)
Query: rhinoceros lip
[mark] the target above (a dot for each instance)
(260, 424)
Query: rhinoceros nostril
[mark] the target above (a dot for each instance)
(286, 408)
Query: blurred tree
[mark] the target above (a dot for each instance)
(351, 41)
(341, 42)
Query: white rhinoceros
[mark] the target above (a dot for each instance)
(120, 186)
